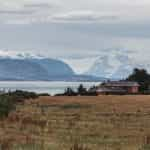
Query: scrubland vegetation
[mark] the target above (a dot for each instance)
(78, 123)
(8, 101)
(81, 91)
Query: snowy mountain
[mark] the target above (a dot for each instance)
(29, 67)
(33, 69)
(115, 65)
(111, 63)
(53, 67)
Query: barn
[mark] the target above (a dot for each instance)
(118, 87)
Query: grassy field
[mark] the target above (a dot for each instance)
(79, 123)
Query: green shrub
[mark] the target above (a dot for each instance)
(76, 146)
(74, 106)
(44, 94)
(6, 105)
(9, 100)
(146, 147)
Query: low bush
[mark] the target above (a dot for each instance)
(74, 106)
(9, 100)
(76, 146)
(44, 94)
(146, 147)
(22, 95)
(81, 91)
(6, 105)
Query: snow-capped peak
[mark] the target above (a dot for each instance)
(116, 64)
(18, 55)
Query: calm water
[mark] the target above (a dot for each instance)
(42, 87)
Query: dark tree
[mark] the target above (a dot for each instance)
(142, 77)
(82, 90)
(69, 92)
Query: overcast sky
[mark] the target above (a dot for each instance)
(76, 30)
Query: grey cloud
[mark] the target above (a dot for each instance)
(39, 5)
(71, 38)
(27, 9)
(84, 16)
(77, 11)
(16, 12)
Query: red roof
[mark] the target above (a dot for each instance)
(120, 84)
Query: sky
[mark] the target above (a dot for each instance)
(78, 31)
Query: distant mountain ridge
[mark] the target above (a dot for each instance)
(32, 69)
(117, 65)
(54, 67)
(113, 67)
(42, 69)
(110, 64)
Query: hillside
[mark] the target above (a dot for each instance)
(43, 69)
(54, 67)
(116, 65)
(33, 69)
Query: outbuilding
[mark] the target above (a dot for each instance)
(118, 87)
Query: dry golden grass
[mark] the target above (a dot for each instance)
(79, 123)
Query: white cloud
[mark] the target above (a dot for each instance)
(84, 16)
(73, 11)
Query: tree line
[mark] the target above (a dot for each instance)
(81, 91)
(142, 77)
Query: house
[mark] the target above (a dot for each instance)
(118, 87)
